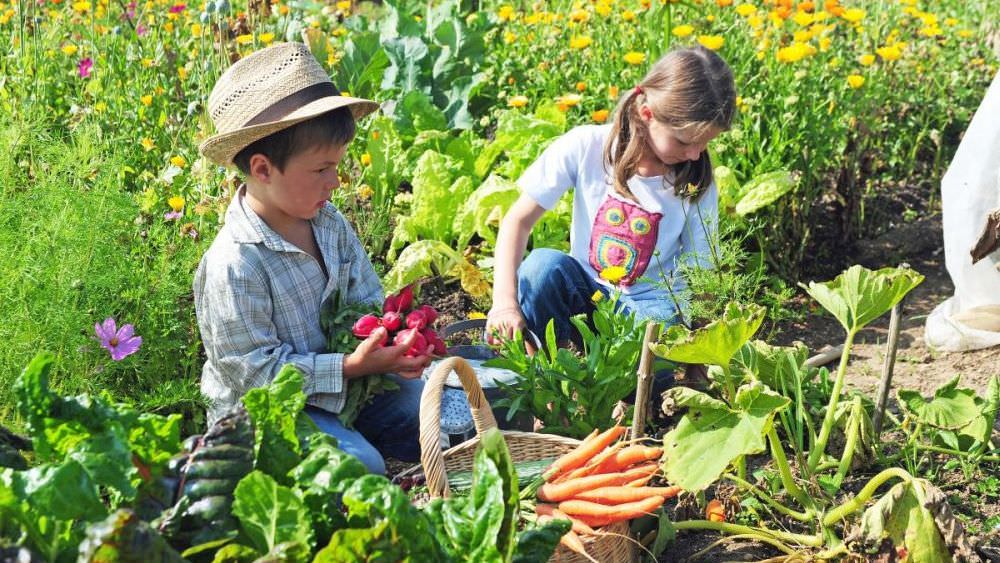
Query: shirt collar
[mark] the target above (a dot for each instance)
(246, 227)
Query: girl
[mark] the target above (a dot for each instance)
(643, 197)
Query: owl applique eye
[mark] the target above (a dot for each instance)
(614, 216)
(640, 226)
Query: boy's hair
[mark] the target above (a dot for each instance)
(687, 89)
(332, 128)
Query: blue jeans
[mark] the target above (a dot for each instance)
(553, 285)
(388, 426)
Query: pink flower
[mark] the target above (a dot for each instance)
(364, 326)
(177, 8)
(141, 30)
(172, 215)
(119, 342)
(85, 67)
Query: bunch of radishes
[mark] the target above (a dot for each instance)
(401, 320)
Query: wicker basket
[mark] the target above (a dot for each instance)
(616, 547)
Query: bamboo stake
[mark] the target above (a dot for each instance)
(645, 380)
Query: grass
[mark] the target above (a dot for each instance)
(75, 252)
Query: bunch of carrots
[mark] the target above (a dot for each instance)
(602, 481)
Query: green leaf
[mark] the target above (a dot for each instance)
(951, 408)
(913, 515)
(495, 448)
(729, 188)
(715, 343)
(480, 213)
(468, 527)
(416, 112)
(536, 544)
(406, 55)
(325, 473)
(397, 526)
(859, 295)
(437, 196)
(274, 411)
(123, 536)
(424, 258)
(270, 514)
(764, 190)
(712, 435)
(63, 491)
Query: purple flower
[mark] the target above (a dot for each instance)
(85, 67)
(119, 342)
(177, 8)
(172, 215)
(141, 30)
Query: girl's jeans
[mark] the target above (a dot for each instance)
(388, 426)
(553, 285)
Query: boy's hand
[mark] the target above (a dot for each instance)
(372, 357)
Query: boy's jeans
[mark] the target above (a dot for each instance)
(388, 426)
(552, 285)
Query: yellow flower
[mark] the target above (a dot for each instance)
(196, 30)
(244, 39)
(723, 3)
(745, 9)
(266, 38)
(182, 73)
(889, 52)
(176, 203)
(603, 9)
(178, 161)
(580, 42)
(853, 15)
(518, 101)
(597, 296)
(509, 37)
(613, 92)
(147, 100)
(855, 81)
(628, 15)
(740, 104)
(634, 58)
(570, 100)
(866, 60)
(950, 21)
(824, 44)
(579, 16)
(146, 63)
(683, 30)
(803, 18)
(366, 159)
(476, 315)
(795, 52)
(81, 7)
(599, 116)
(100, 106)
(713, 42)
(581, 86)
(506, 13)
(965, 33)
(365, 192)
(613, 274)
(69, 50)
(343, 5)
(147, 144)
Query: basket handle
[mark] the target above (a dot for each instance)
(430, 419)
(470, 324)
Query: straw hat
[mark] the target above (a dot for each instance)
(268, 91)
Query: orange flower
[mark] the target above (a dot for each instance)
(600, 116)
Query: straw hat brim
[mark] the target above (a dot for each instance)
(222, 148)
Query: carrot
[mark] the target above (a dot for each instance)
(640, 482)
(596, 514)
(592, 466)
(569, 539)
(619, 495)
(550, 510)
(714, 511)
(579, 456)
(629, 456)
(554, 492)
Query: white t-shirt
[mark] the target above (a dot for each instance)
(608, 230)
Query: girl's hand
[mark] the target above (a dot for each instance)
(371, 356)
(501, 324)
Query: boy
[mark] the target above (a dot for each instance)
(284, 249)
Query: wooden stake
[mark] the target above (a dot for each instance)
(645, 380)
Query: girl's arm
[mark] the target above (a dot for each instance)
(512, 240)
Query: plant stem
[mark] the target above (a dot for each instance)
(853, 431)
(778, 453)
(770, 541)
(858, 502)
(733, 529)
(800, 516)
(940, 450)
(824, 434)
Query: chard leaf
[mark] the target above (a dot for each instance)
(276, 411)
(270, 514)
(764, 190)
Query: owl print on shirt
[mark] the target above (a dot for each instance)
(624, 235)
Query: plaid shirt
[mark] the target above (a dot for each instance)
(257, 298)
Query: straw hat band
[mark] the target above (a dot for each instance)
(281, 108)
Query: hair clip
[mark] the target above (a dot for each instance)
(638, 90)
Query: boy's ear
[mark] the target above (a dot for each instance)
(261, 167)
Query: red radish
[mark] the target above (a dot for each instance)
(416, 319)
(392, 321)
(429, 312)
(364, 326)
(419, 346)
(400, 302)
(435, 345)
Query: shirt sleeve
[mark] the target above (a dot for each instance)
(699, 240)
(556, 170)
(242, 340)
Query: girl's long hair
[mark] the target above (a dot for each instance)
(690, 90)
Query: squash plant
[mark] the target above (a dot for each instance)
(715, 434)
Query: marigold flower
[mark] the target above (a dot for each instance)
(603, 9)
(580, 42)
(244, 39)
(628, 15)
(634, 58)
(889, 52)
(853, 15)
(713, 42)
(182, 73)
(579, 16)
(518, 101)
(196, 30)
(178, 161)
(795, 52)
(581, 86)
(266, 38)
(597, 296)
(613, 92)
(69, 50)
(613, 274)
(599, 116)
(965, 33)
(509, 37)
(146, 100)
(366, 159)
(803, 18)
(147, 144)
(176, 203)
(81, 7)
(855, 81)
(866, 60)
(506, 13)
(570, 100)
(745, 9)
(723, 3)
(682, 30)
